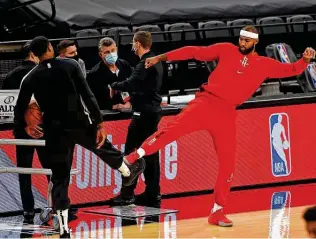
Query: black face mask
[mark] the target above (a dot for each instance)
(76, 57)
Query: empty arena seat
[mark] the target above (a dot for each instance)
(104, 31)
(88, 33)
(270, 89)
(241, 23)
(214, 33)
(258, 92)
(177, 36)
(271, 29)
(300, 27)
(281, 52)
(310, 74)
(211, 65)
(156, 37)
(285, 54)
(117, 31)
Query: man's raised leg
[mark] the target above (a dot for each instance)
(189, 120)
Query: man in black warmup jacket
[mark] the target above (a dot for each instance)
(14, 78)
(71, 116)
(24, 154)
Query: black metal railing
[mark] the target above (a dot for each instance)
(35, 23)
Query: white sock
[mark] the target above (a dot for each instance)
(141, 152)
(216, 207)
(63, 220)
(124, 170)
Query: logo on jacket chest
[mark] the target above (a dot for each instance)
(244, 61)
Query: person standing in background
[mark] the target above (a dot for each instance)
(110, 69)
(25, 154)
(68, 49)
(143, 87)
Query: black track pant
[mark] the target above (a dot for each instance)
(60, 146)
(140, 128)
(24, 157)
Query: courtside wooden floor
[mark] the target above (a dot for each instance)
(258, 213)
(257, 224)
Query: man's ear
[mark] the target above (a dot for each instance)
(34, 58)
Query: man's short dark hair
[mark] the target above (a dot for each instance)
(39, 46)
(144, 38)
(62, 46)
(25, 50)
(105, 42)
(250, 28)
(310, 214)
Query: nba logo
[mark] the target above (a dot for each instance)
(280, 215)
(283, 53)
(280, 146)
(312, 71)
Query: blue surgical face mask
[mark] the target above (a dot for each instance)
(111, 58)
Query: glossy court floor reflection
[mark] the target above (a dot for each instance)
(261, 213)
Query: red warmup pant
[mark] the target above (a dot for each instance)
(205, 112)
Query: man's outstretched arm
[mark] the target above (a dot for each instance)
(277, 69)
(201, 53)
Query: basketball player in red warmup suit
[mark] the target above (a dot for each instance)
(238, 75)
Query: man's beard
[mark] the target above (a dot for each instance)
(247, 51)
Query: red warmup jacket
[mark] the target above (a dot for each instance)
(236, 76)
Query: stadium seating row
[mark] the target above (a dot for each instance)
(191, 74)
(172, 32)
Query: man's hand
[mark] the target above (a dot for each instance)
(154, 60)
(34, 131)
(127, 105)
(151, 61)
(112, 92)
(309, 54)
(101, 135)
